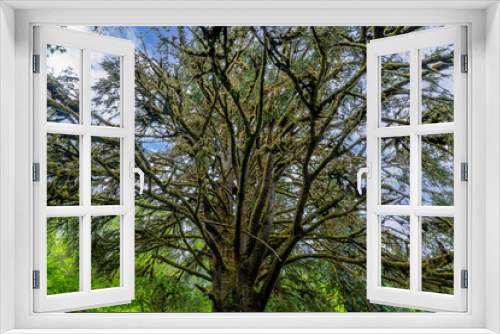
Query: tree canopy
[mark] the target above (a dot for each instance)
(250, 139)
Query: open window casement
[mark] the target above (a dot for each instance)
(84, 165)
(416, 147)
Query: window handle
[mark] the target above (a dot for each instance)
(368, 171)
(134, 171)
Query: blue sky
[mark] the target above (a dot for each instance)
(133, 33)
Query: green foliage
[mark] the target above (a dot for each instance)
(157, 289)
(63, 271)
(250, 139)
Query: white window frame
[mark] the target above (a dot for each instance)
(87, 43)
(413, 43)
(483, 103)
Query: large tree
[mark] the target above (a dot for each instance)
(250, 139)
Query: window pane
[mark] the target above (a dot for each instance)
(395, 89)
(105, 252)
(63, 170)
(105, 76)
(437, 169)
(63, 255)
(437, 84)
(395, 170)
(395, 251)
(63, 84)
(105, 171)
(437, 254)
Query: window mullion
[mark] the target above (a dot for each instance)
(418, 170)
(85, 153)
(86, 188)
(85, 247)
(414, 175)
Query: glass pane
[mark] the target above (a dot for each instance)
(437, 84)
(63, 170)
(437, 169)
(395, 251)
(105, 252)
(105, 171)
(105, 76)
(395, 89)
(63, 84)
(63, 255)
(395, 171)
(437, 254)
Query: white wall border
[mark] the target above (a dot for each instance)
(250, 4)
(492, 163)
(7, 166)
(474, 319)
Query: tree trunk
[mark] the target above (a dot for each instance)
(234, 294)
(232, 290)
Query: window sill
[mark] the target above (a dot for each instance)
(251, 331)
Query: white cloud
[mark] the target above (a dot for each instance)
(59, 61)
